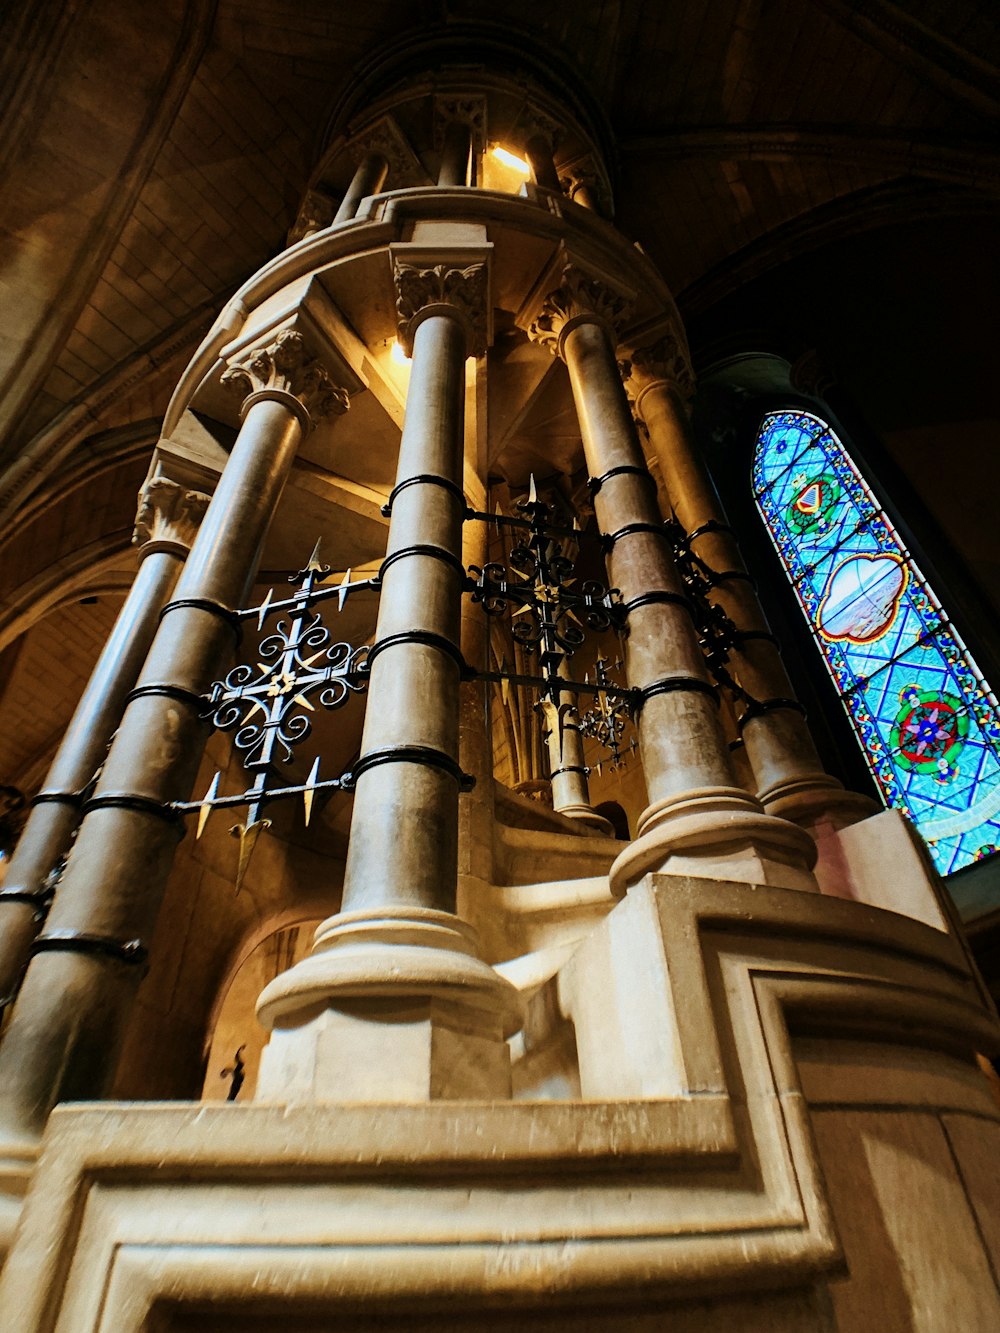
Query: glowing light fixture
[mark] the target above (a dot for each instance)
(397, 354)
(510, 160)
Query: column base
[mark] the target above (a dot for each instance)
(404, 982)
(817, 802)
(588, 816)
(717, 833)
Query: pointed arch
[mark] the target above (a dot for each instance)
(922, 711)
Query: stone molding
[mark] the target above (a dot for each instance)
(445, 288)
(168, 517)
(283, 369)
(664, 361)
(709, 1172)
(580, 298)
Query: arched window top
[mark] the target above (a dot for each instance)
(923, 714)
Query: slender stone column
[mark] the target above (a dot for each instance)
(456, 154)
(789, 775)
(368, 179)
(567, 768)
(538, 151)
(63, 1040)
(583, 191)
(699, 820)
(396, 959)
(475, 750)
(166, 523)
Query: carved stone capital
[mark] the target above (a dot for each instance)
(664, 361)
(587, 174)
(448, 289)
(535, 124)
(385, 137)
(282, 369)
(316, 214)
(168, 517)
(580, 298)
(465, 109)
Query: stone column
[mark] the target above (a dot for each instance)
(368, 179)
(567, 768)
(788, 773)
(63, 1040)
(475, 750)
(583, 191)
(538, 151)
(166, 523)
(395, 960)
(699, 820)
(456, 154)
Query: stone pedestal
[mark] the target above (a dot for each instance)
(783, 1130)
(396, 948)
(390, 1006)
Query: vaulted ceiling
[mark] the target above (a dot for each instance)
(153, 157)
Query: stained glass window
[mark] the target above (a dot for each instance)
(925, 717)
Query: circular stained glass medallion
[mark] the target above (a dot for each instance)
(929, 730)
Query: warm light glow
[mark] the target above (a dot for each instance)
(510, 160)
(397, 354)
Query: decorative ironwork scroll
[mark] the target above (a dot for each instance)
(717, 635)
(550, 612)
(608, 717)
(267, 703)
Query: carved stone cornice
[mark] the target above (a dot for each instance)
(580, 298)
(664, 361)
(282, 369)
(168, 517)
(461, 292)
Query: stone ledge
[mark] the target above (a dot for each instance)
(714, 1190)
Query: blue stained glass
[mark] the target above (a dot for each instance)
(925, 717)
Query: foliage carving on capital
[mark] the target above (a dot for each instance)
(443, 289)
(463, 109)
(664, 361)
(386, 138)
(580, 298)
(284, 366)
(168, 515)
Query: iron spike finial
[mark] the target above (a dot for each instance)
(205, 808)
(263, 608)
(310, 790)
(248, 835)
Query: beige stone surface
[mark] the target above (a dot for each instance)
(719, 1178)
(732, 1104)
(913, 1248)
